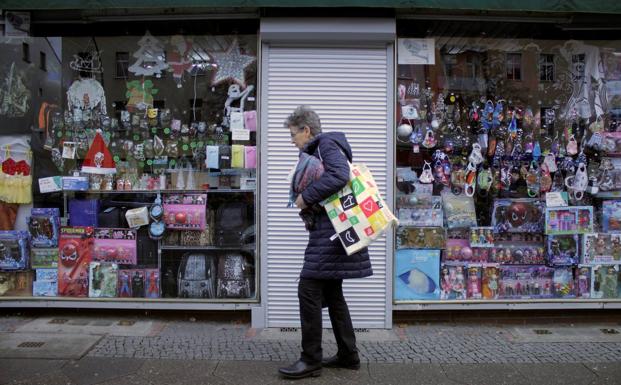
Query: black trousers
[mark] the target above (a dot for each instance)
(311, 293)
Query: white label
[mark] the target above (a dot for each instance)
(240, 134)
(555, 199)
(416, 51)
(50, 184)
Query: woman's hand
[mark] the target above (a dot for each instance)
(300, 202)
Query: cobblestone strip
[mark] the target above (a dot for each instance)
(422, 345)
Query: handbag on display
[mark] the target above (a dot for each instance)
(358, 212)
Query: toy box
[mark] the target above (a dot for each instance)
(75, 245)
(569, 220)
(14, 249)
(459, 210)
(124, 284)
(604, 281)
(115, 245)
(152, 283)
(137, 282)
(43, 257)
(601, 248)
(417, 274)
(185, 211)
(501, 239)
(473, 286)
(45, 288)
(43, 225)
(521, 282)
(518, 254)
(46, 275)
(518, 215)
(75, 183)
(458, 250)
(482, 236)
(421, 238)
(490, 278)
(563, 281)
(583, 282)
(563, 249)
(16, 284)
(103, 277)
(611, 216)
(420, 217)
(453, 282)
(83, 212)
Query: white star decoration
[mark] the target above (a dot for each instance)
(231, 65)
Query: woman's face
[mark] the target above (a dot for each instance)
(300, 136)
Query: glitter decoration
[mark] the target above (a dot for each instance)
(231, 65)
(151, 58)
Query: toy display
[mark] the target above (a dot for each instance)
(14, 250)
(43, 257)
(103, 277)
(601, 248)
(152, 283)
(569, 220)
(453, 282)
(459, 211)
(563, 249)
(137, 283)
(124, 284)
(458, 250)
(605, 281)
(421, 238)
(474, 285)
(611, 216)
(518, 255)
(518, 215)
(563, 282)
(45, 289)
(16, 283)
(75, 246)
(185, 211)
(115, 245)
(43, 225)
(525, 282)
(583, 282)
(489, 286)
(482, 236)
(417, 274)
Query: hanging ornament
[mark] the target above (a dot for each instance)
(86, 94)
(231, 64)
(140, 94)
(178, 58)
(151, 58)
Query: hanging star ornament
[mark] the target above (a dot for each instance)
(231, 65)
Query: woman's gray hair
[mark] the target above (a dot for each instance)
(304, 116)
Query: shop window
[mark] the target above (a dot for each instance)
(577, 70)
(196, 106)
(122, 64)
(42, 61)
(26, 52)
(514, 66)
(450, 67)
(546, 68)
(473, 67)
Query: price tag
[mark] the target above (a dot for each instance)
(241, 134)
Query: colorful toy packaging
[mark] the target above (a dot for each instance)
(115, 245)
(605, 281)
(421, 238)
(474, 288)
(46, 283)
(124, 284)
(564, 282)
(16, 283)
(601, 248)
(185, 211)
(482, 236)
(611, 216)
(137, 282)
(526, 282)
(453, 282)
(459, 210)
(518, 215)
(583, 282)
(563, 249)
(43, 257)
(43, 225)
(569, 220)
(417, 274)
(490, 278)
(524, 254)
(14, 250)
(103, 278)
(152, 283)
(75, 246)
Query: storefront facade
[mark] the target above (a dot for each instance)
(468, 120)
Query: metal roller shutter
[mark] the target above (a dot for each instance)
(349, 89)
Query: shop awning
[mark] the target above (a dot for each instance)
(581, 6)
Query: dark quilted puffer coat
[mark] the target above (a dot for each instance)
(325, 258)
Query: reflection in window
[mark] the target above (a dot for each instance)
(122, 63)
(546, 68)
(514, 66)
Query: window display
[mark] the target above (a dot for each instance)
(517, 138)
(152, 141)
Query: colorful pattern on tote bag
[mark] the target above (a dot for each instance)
(358, 212)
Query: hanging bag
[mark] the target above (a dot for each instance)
(358, 213)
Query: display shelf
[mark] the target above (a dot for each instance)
(211, 190)
(525, 304)
(608, 194)
(175, 247)
(129, 303)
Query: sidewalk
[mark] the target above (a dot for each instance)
(83, 349)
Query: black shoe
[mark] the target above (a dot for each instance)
(300, 369)
(336, 362)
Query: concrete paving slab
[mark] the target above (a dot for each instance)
(89, 370)
(45, 345)
(565, 334)
(24, 369)
(372, 335)
(92, 325)
(399, 374)
(552, 374)
(497, 374)
(607, 373)
(166, 372)
(51, 378)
